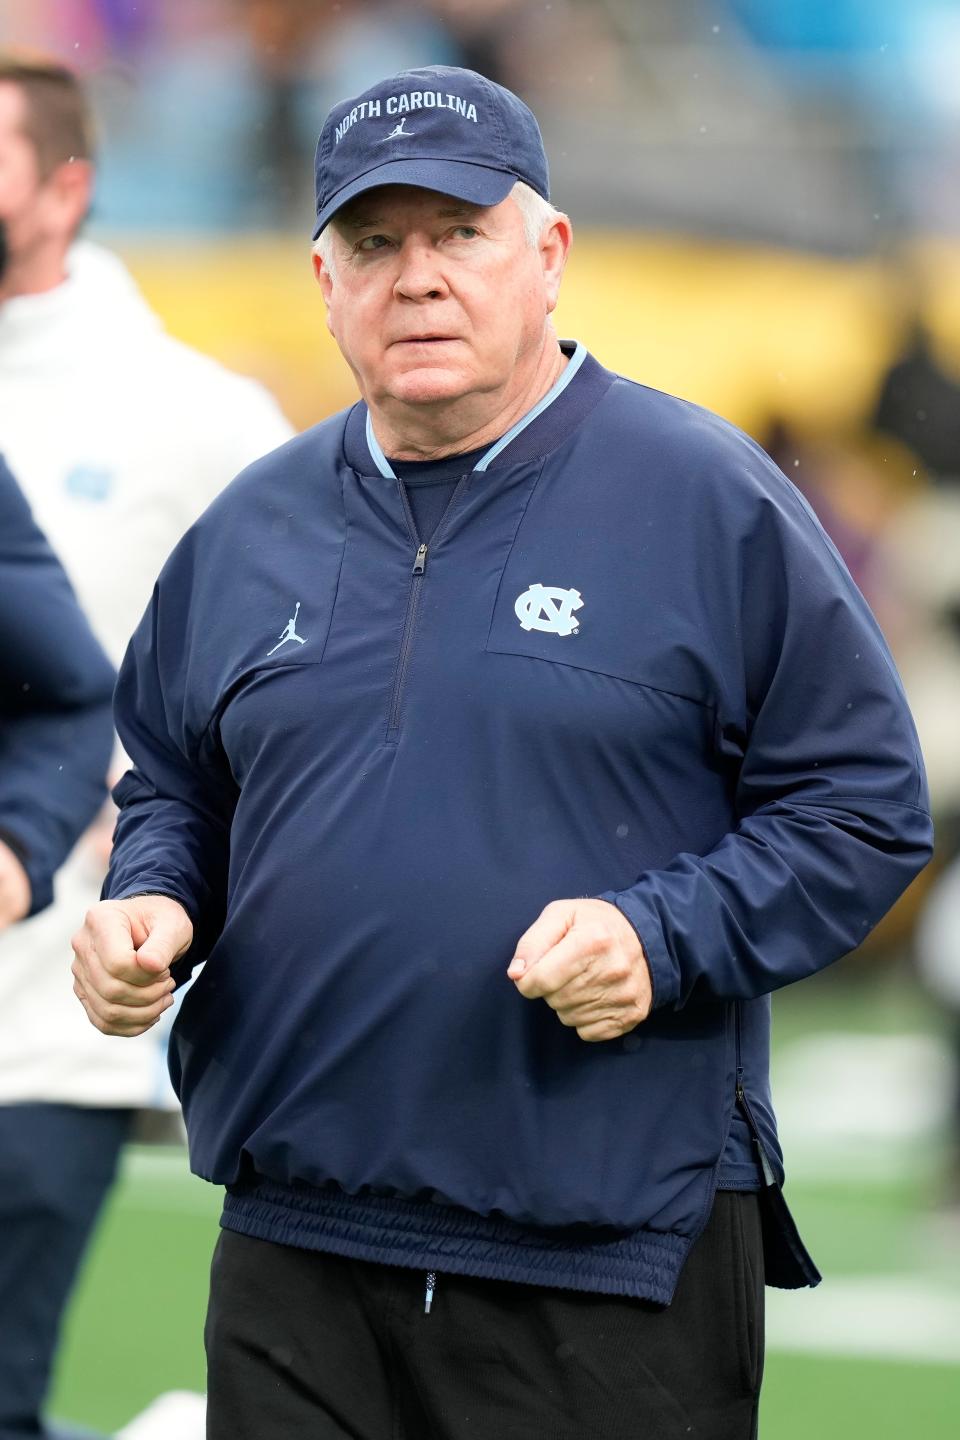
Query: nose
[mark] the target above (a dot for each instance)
(420, 276)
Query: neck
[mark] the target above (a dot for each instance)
(429, 433)
(33, 274)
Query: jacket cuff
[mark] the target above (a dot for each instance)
(664, 972)
(37, 871)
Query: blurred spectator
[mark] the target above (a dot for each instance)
(536, 49)
(120, 436)
(919, 404)
(857, 493)
(55, 739)
(215, 122)
(56, 686)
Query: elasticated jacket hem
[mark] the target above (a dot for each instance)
(423, 1236)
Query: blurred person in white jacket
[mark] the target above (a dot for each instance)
(120, 436)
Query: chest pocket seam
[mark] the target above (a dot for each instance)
(495, 649)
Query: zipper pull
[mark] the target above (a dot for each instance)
(431, 1277)
(420, 563)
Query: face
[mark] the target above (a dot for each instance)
(19, 180)
(37, 213)
(433, 299)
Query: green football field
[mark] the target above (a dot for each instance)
(874, 1352)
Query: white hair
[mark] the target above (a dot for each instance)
(535, 212)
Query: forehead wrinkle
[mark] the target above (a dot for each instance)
(361, 220)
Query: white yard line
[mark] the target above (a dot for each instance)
(873, 1317)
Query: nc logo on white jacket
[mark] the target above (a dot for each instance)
(544, 607)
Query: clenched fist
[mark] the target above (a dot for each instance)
(585, 959)
(124, 951)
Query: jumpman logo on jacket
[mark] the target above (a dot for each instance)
(399, 130)
(289, 632)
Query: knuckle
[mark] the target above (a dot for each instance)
(114, 992)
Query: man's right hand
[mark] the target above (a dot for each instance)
(124, 951)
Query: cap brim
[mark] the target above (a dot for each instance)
(478, 184)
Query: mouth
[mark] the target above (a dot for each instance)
(425, 339)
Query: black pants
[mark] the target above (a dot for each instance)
(56, 1165)
(303, 1344)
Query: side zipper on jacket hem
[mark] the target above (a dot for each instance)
(793, 1258)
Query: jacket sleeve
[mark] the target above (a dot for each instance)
(55, 688)
(177, 800)
(829, 793)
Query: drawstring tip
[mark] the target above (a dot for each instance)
(431, 1286)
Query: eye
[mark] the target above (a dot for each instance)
(466, 232)
(372, 242)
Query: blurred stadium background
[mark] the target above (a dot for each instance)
(767, 207)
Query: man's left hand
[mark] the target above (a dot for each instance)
(585, 959)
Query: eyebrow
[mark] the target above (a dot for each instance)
(364, 222)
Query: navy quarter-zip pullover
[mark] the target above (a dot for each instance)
(628, 664)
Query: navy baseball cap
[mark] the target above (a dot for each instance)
(441, 128)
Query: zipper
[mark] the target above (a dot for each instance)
(406, 642)
(431, 1287)
(785, 1255)
(769, 1179)
(417, 574)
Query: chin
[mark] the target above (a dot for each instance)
(429, 386)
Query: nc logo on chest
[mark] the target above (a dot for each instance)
(544, 607)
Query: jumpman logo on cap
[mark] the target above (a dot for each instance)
(399, 130)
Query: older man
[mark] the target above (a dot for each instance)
(500, 744)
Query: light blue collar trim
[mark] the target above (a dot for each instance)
(379, 459)
(557, 389)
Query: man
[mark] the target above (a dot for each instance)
(590, 745)
(55, 740)
(120, 436)
(55, 731)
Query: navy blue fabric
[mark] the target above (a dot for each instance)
(56, 685)
(430, 486)
(57, 1163)
(363, 821)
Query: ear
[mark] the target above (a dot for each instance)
(325, 280)
(69, 192)
(555, 245)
